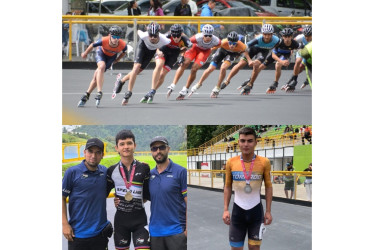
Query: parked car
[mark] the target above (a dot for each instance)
(288, 8)
(224, 4)
(114, 4)
(94, 8)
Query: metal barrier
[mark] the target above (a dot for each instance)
(138, 20)
(284, 140)
(215, 179)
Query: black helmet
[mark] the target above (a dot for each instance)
(153, 28)
(233, 37)
(307, 30)
(115, 30)
(286, 32)
(176, 30)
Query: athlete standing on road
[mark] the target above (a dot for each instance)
(281, 55)
(202, 44)
(168, 191)
(85, 185)
(130, 179)
(258, 49)
(106, 54)
(150, 42)
(226, 54)
(179, 43)
(304, 39)
(245, 173)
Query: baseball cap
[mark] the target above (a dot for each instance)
(159, 139)
(95, 142)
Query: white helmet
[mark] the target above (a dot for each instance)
(267, 28)
(208, 29)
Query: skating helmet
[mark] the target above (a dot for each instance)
(307, 31)
(115, 30)
(153, 29)
(208, 29)
(233, 37)
(286, 32)
(176, 30)
(267, 29)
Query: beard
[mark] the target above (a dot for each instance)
(162, 160)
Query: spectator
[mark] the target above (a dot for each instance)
(286, 130)
(133, 9)
(65, 34)
(193, 7)
(225, 140)
(206, 10)
(289, 181)
(184, 9)
(308, 134)
(308, 183)
(156, 10)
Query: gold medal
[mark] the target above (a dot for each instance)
(128, 196)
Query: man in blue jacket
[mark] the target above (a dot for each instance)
(206, 10)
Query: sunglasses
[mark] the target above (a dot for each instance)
(232, 43)
(208, 35)
(176, 36)
(153, 36)
(161, 148)
(116, 37)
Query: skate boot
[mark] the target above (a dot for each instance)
(148, 98)
(126, 98)
(84, 99)
(306, 83)
(291, 87)
(224, 84)
(98, 98)
(272, 88)
(170, 89)
(182, 93)
(117, 86)
(194, 89)
(244, 83)
(215, 92)
(246, 90)
(292, 79)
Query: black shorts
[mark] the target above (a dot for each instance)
(256, 53)
(143, 55)
(178, 241)
(243, 221)
(127, 223)
(223, 55)
(94, 243)
(170, 56)
(269, 59)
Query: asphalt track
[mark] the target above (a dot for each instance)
(199, 109)
(291, 228)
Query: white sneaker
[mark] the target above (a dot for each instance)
(171, 86)
(184, 91)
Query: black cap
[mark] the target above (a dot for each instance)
(95, 142)
(160, 139)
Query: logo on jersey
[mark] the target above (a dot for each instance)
(152, 177)
(139, 241)
(170, 176)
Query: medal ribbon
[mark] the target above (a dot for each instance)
(248, 177)
(129, 183)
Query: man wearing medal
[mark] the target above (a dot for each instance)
(244, 174)
(130, 179)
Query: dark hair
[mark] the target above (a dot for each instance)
(132, 3)
(247, 131)
(212, 1)
(156, 4)
(124, 134)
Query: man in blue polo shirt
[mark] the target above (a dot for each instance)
(85, 185)
(168, 192)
